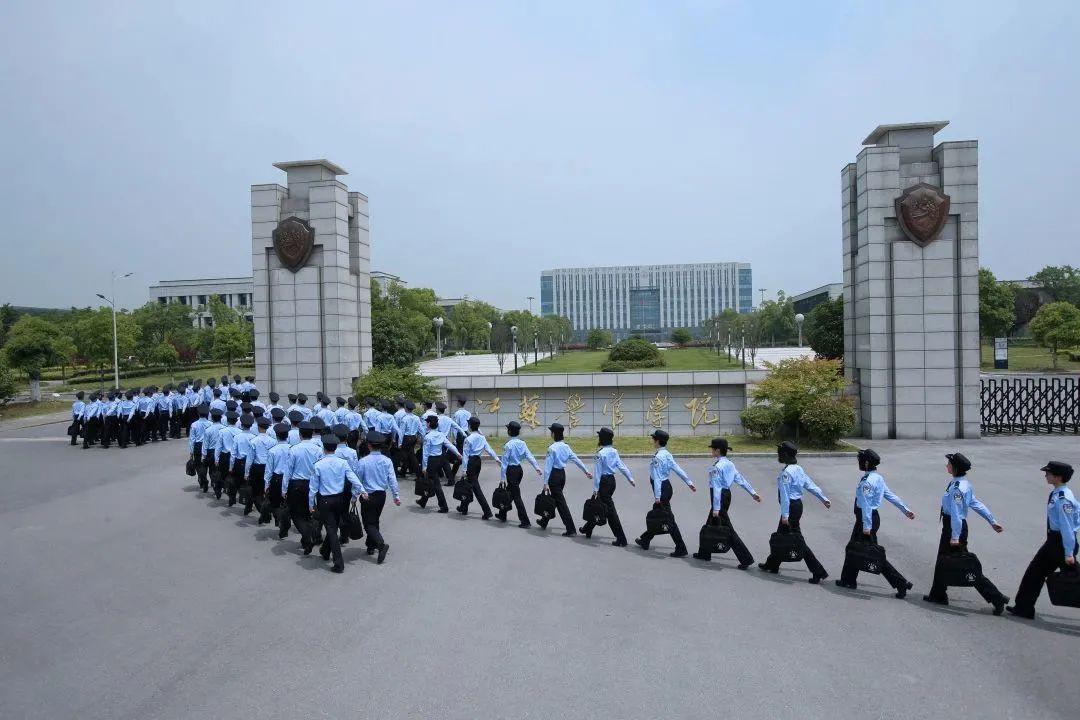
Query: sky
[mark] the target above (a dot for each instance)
(495, 140)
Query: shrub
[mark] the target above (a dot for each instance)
(761, 420)
(793, 383)
(387, 381)
(8, 384)
(613, 366)
(598, 339)
(827, 419)
(637, 353)
(681, 336)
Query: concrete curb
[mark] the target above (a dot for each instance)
(35, 421)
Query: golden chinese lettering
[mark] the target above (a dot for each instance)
(699, 411)
(656, 412)
(491, 406)
(574, 405)
(613, 407)
(529, 409)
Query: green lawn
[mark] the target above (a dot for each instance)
(1029, 358)
(589, 361)
(639, 445)
(24, 410)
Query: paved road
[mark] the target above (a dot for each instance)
(128, 595)
(456, 365)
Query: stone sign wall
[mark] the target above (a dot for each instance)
(706, 404)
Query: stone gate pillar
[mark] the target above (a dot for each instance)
(310, 253)
(911, 283)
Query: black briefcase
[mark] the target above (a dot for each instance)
(866, 556)
(189, 467)
(1063, 587)
(544, 507)
(787, 546)
(353, 524)
(715, 538)
(266, 510)
(243, 492)
(73, 430)
(463, 490)
(594, 511)
(424, 486)
(501, 499)
(659, 521)
(960, 569)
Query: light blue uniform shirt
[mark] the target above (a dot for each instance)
(179, 402)
(111, 408)
(302, 459)
(791, 483)
(328, 477)
(558, 454)
(355, 421)
(434, 442)
(660, 468)
(260, 448)
(294, 437)
(607, 462)
(1061, 516)
(448, 426)
(127, 409)
(242, 449)
(514, 451)
(722, 475)
(461, 417)
(197, 433)
(227, 441)
(277, 460)
(369, 416)
(958, 498)
(409, 425)
(386, 424)
(377, 473)
(476, 445)
(349, 455)
(327, 416)
(77, 408)
(869, 495)
(340, 414)
(164, 403)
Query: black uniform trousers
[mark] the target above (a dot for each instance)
(280, 510)
(849, 574)
(123, 432)
(108, 430)
(737, 545)
(90, 432)
(436, 465)
(331, 508)
(513, 484)
(408, 456)
(676, 534)
(472, 474)
(224, 476)
(174, 424)
(200, 465)
(938, 591)
(607, 489)
(459, 443)
(795, 510)
(556, 482)
(370, 512)
(296, 498)
(1049, 558)
(256, 483)
(77, 428)
(164, 419)
(136, 425)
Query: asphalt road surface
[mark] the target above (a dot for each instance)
(126, 594)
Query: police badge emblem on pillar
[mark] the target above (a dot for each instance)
(293, 242)
(922, 211)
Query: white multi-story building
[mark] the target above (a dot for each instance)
(648, 300)
(196, 294)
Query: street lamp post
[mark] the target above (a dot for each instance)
(536, 347)
(438, 323)
(115, 346)
(513, 345)
(489, 337)
(799, 318)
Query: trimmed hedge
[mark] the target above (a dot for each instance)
(148, 371)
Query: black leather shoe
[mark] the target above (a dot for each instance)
(702, 556)
(816, 580)
(935, 601)
(641, 543)
(569, 533)
(1020, 613)
(842, 584)
(383, 549)
(443, 510)
(743, 566)
(337, 569)
(901, 592)
(765, 567)
(999, 606)
(619, 543)
(486, 517)
(325, 555)
(525, 525)
(678, 553)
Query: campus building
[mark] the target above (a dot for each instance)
(807, 301)
(234, 292)
(648, 300)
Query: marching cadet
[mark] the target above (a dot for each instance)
(211, 447)
(341, 411)
(325, 414)
(296, 480)
(357, 426)
(349, 455)
(195, 444)
(295, 418)
(790, 485)
(409, 432)
(218, 401)
(77, 408)
(208, 391)
(127, 410)
(427, 410)
(91, 421)
(108, 419)
(392, 449)
(140, 428)
(461, 416)
(722, 475)
(1060, 548)
(376, 473)
(293, 407)
(226, 448)
(274, 403)
(192, 400)
(958, 498)
(448, 427)
(164, 413)
(514, 451)
(277, 461)
(473, 448)
(177, 409)
(869, 494)
(328, 496)
(370, 412)
(255, 468)
(253, 398)
(558, 454)
(241, 456)
(301, 405)
(434, 463)
(607, 462)
(660, 468)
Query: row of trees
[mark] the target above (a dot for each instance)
(1004, 307)
(152, 335)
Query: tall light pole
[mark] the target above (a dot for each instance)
(489, 338)
(438, 323)
(762, 291)
(530, 298)
(799, 318)
(112, 303)
(513, 336)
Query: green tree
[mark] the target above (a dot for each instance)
(777, 318)
(30, 349)
(554, 331)
(793, 384)
(390, 346)
(388, 381)
(159, 322)
(825, 329)
(165, 355)
(93, 336)
(232, 341)
(681, 336)
(1062, 282)
(997, 305)
(65, 351)
(8, 316)
(469, 319)
(1057, 326)
(9, 385)
(598, 339)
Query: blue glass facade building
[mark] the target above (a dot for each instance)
(647, 300)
